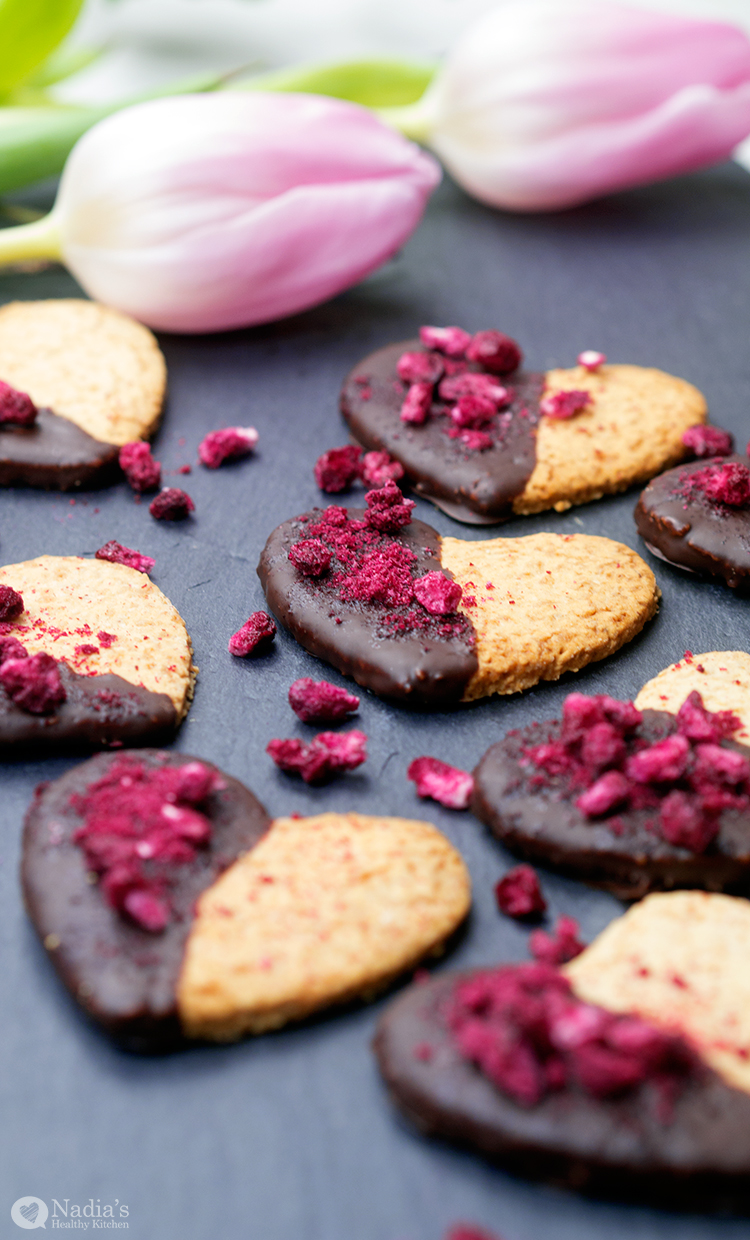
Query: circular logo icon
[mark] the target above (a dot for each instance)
(29, 1212)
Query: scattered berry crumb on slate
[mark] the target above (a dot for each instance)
(519, 894)
(445, 784)
(139, 467)
(321, 702)
(560, 946)
(328, 754)
(255, 636)
(228, 444)
(171, 504)
(705, 440)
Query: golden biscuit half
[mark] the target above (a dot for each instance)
(323, 910)
(722, 677)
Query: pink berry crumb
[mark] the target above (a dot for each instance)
(139, 467)
(560, 946)
(519, 894)
(445, 784)
(16, 408)
(495, 352)
(325, 756)
(473, 411)
(228, 444)
(255, 636)
(33, 683)
(467, 1231)
(378, 468)
(311, 557)
(11, 603)
(705, 440)
(437, 593)
(727, 484)
(590, 359)
(564, 404)
(171, 504)
(338, 468)
(321, 702)
(453, 341)
(388, 511)
(417, 404)
(420, 367)
(117, 554)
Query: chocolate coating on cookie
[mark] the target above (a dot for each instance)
(417, 668)
(617, 1144)
(683, 526)
(97, 711)
(476, 487)
(125, 977)
(55, 454)
(543, 824)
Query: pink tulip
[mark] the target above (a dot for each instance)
(545, 104)
(204, 212)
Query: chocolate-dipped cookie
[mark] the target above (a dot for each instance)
(698, 517)
(91, 653)
(173, 907)
(84, 380)
(624, 1071)
(630, 801)
(484, 439)
(722, 677)
(435, 622)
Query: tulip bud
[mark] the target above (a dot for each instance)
(205, 212)
(548, 103)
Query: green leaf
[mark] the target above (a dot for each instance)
(373, 83)
(29, 31)
(63, 62)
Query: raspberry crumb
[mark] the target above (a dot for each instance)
(378, 468)
(560, 946)
(437, 593)
(707, 440)
(453, 341)
(417, 403)
(227, 445)
(467, 1231)
(11, 603)
(254, 637)
(117, 554)
(310, 557)
(171, 504)
(445, 784)
(518, 893)
(11, 648)
(496, 352)
(591, 360)
(564, 404)
(139, 467)
(106, 639)
(727, 484)
(338, 468)
(388, 511)
(476, 441)
(473, 411)
(321, 702)
(420, 367)
(82, 651)
(16, 408)
(33, 683)
(326, 755)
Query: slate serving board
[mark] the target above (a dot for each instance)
(290, 1136)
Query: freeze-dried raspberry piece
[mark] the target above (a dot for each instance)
(445, 784)
(321, 702)
(699, 724)
(495, 352)
(117, 554)
(604, 795)
(310, 557)
(467, 1231)
(11, 603)
(560, 946)
(683, 822)
(11, 648)
(16, 408)
(437, 593)
(714, 764)
(139, 467)
(727, 484)
(705, 440)
(227, 445)
(256, 635)
(338, 468)
(417, 404)
(33, 683)
(564, 404)
(453, 341)
(171, 504)
(518, 893)
(379, 468)
(472, 384)
(325, 756)
(420, 367)
(476, 441)
(603, 746)
(388, 511)
(473, 411)
(590, 359)
(662, 763)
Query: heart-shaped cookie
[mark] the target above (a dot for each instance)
(627, 1069)
(525, 451)
(628, 799)
(98, 380)
(123, 669)
(204, 919)
(435, 622)
(698, 517)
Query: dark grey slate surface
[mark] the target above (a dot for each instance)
(290, 1136)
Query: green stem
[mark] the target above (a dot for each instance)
(41, 239)
(414, 121)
